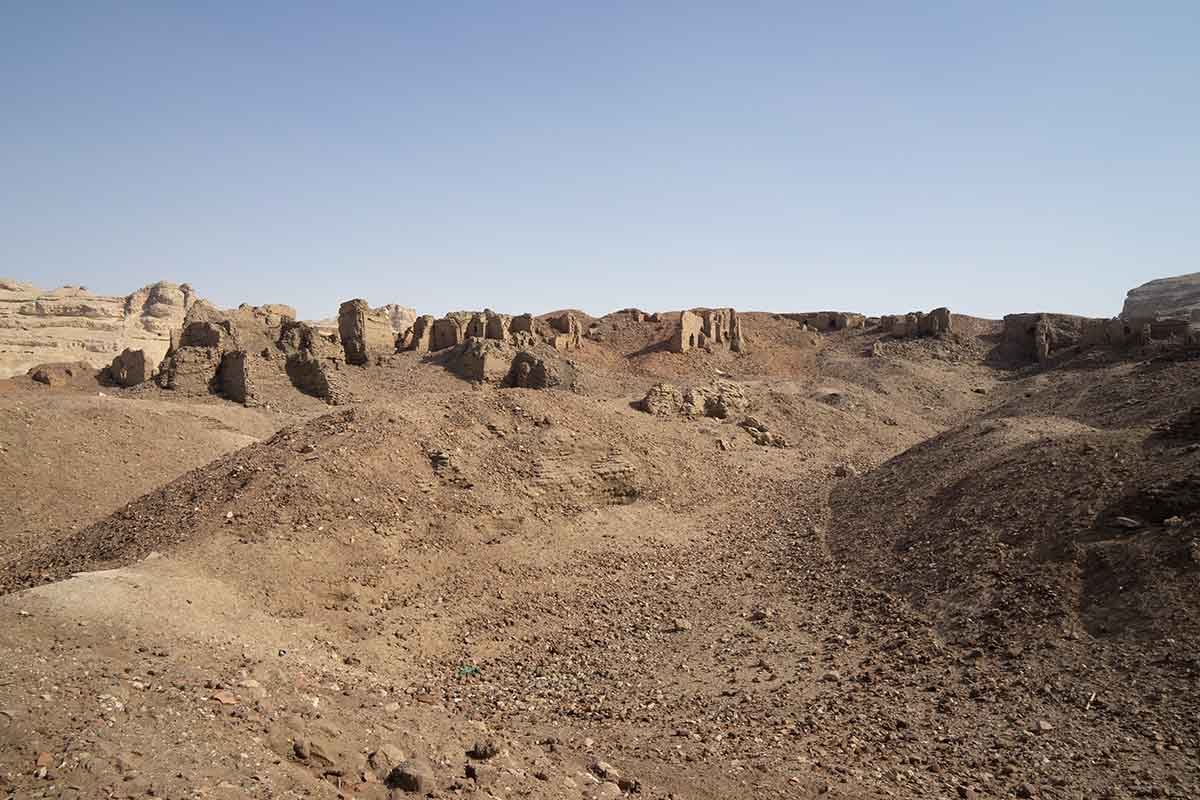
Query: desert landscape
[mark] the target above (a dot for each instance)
(700, 553)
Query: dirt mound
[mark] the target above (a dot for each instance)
(1029, 525)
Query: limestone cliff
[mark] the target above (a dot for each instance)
(1164, 298)
(72, 324)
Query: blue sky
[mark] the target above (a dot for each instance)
(526, 156)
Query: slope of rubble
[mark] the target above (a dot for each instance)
(852, 560)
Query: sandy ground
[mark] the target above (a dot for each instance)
(451, 590)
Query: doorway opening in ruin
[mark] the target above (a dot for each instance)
(692, 340)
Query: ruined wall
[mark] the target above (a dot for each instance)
(448, 331)
(918, 323)
(521, 324)
(233, 377)
(496, 326)
(365, 335)
(1037, 336)
(708, 328)
(131, 367)
(690, 333)
(421, 337)
(232, 352)
(568, 333)
(829, 320)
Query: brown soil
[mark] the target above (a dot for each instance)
(963, 578)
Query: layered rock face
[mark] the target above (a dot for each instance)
(72, 324)
(1165, 298)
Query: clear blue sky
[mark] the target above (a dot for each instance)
(989, 156)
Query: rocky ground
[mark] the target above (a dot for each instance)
(962, 578)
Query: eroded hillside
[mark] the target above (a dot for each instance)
(943, 573)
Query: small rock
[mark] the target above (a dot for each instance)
(300, 748)
(1128, 523)
(1042, 726)
(412, 777)
(679, 625)
(484, 749)
(482, 774)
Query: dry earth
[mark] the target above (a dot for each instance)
(964, 578)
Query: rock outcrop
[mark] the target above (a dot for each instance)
(720, 399)
(708, 328)
(62, 374)
(663, 400)
(1165, 298)
(72, 324)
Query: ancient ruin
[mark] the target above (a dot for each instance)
(366, 335)
(1037, 336)
(918, 323)
(231, 352)
(708, 328)
(132, 367)
(829, 320)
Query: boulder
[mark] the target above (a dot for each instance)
(61, 374)
(720, 400)
(663, 399)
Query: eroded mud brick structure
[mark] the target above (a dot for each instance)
(918, 323)
(365, 334)
(708, 328)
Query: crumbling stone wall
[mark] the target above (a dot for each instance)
(530, 372)
(365, 335)
(522, 324)
(568, 333)
(918, 323)
(496, 326)
(222, 351)
(829, 320)
(233, 377)
(449, 331)
(314, 363)
(690, 333)
(131, 367)
(708, 328)
(421, 338)
(479, 359)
